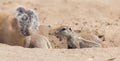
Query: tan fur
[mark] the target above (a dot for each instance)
(35, 40)
(38, 41)
(73, 40)
(88, 35)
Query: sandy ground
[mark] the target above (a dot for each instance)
(16, 53)
(98, 17)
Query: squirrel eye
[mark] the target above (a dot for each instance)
(70, 29)
(62, 29)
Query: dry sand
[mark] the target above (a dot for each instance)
(98, 17)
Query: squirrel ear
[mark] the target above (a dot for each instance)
(63, 29)
(20, 9)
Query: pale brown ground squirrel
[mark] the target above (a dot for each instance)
(74, 41)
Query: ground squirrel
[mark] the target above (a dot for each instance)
(74, 41)
(28, 25)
